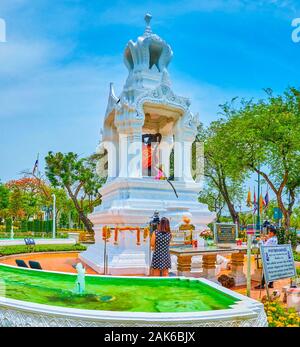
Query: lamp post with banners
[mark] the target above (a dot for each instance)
(54, 216)
(12, 228)
(258, 227)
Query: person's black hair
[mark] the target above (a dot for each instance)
(272, 229)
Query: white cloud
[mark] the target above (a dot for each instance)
(61, 90)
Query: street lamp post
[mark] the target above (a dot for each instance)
(258, 203)
(249, 241)
(54, 217)
(12, 229)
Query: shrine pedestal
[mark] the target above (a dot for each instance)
(123, 258)
(132, 202)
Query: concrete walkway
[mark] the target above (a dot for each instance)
(21, 242)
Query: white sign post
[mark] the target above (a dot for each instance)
(278, 263)
(250, 233)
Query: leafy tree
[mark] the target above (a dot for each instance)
(4, 200)
(245, 219)
(219, 170)
(16, 206)
(4, 196)
(265, 138)
(295, 218)
(214, 200)
(27, 197)
(78, 177)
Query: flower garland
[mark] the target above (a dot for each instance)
(116, 236)
(146, 233)
(107, 231)
(138, 236)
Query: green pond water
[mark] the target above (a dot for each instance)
(111, 293)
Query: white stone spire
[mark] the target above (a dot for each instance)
(148, 30)
(147, 59)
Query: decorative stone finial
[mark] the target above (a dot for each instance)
(148, 18)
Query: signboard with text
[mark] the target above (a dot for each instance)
(277, 213)
(278, 262)
(251, 229)
(225, 232)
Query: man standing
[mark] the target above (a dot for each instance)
(270, 240)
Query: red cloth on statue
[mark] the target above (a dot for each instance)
(147, 157)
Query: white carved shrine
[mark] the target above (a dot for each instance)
(141, 128)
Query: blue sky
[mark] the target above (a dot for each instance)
(60, 56)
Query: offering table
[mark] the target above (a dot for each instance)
(209, 257)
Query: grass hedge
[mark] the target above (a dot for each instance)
(10, 250)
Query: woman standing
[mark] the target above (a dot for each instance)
(160, 243)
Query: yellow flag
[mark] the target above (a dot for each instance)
(261, 204)
(249, 202)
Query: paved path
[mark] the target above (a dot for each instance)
(54, 262)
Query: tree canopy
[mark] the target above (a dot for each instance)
(78, 177)
(265, 138)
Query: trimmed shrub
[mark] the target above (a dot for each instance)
(10, 250)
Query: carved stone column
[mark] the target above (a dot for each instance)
(209, 266)
(129, 126)
(187, 161)
(165, 152)
(237, 268)
(178, 159)
(184, 263)
(123, 155)
(111, 159)
(184, 134)
(135, 154)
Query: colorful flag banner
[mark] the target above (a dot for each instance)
(261, 204)
(254, 203)
(267, 199)
(36, 164)
(249, 202)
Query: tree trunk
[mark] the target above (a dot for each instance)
(234, 214)
(286, 213)
(278, 192)
(224, 191)
(87, 223)
(220, 183)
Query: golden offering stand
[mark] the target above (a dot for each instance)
(186, 228)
